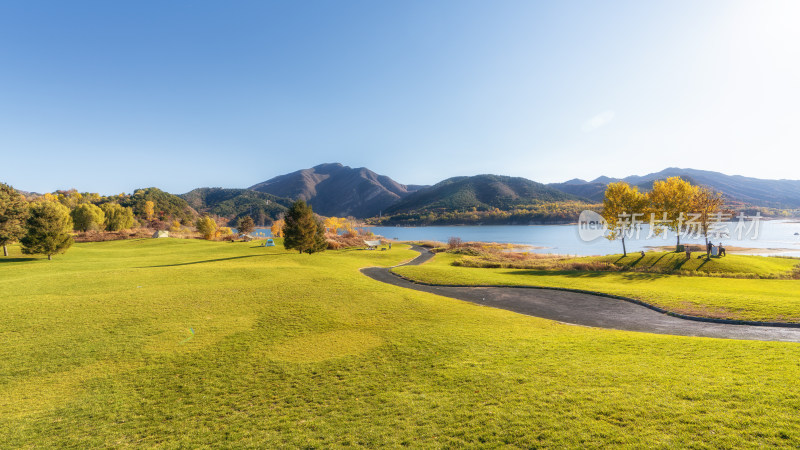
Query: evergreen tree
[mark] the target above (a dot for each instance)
(13, 212)
(48, 229)
(87, 217)
(245, 225)
(302, 231)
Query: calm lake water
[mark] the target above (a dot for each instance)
(774, 237)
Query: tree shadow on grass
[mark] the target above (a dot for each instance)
(211, 260)
(4, 259)
(658, 260)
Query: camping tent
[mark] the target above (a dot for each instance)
(161, 234)
(373, 244)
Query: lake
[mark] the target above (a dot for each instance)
(774, 237)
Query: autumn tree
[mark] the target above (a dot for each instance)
(149, 209)
(302, 231)
(245, 225)
(670, 200)
(175, 226)
(117, 217)
(622, 206)
(706, 204)
(48, 229)
(13, 212)
(207, 227)
(277, 228)
(333, 224)
(87, 217)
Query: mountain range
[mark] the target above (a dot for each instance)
(736, 188)
(480, 192)
(337, 190)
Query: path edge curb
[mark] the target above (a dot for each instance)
(603, 294)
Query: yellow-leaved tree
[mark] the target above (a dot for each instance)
(149, 209)
(333, 224)
(622, 205)
(207, 227)
(706, 204)
(277, 228)
(670, 203)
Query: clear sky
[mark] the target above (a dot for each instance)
(109, 96)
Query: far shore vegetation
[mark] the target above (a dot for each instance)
(49, 224)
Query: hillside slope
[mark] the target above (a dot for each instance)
(480, 192)
(236, 203)
(338, 190)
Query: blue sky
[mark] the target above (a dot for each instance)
(111, 96)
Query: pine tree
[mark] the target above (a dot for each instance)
(302, 231)
(13, 212)
(48, 230)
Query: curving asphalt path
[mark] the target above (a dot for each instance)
(578, 308)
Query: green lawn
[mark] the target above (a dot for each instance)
(758, 266)
(730, 298)
(303, 350)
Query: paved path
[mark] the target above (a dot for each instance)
(584, 309)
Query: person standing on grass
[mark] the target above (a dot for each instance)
(721, 250)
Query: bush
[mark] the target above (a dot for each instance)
(117, 217)
(207, 227)
(87, 217)
(454, 242)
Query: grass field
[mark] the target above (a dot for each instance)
(729, 298)
(191, 343)
(744, 265)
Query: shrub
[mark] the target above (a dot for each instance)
(207, 227)
(117, 217)
(454, 242)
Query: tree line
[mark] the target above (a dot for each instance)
(45, 224)
(673, 205)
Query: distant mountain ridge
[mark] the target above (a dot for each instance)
(480, 192)
(753, 191)
(338, 190)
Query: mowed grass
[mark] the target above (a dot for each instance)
(729, 298)
(735, 265)
(303, 350)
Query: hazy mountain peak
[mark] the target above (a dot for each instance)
(333, 189)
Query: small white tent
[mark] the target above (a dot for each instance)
(161, 234)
